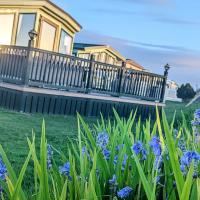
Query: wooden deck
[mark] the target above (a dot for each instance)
(46, 101)
(34, 80)
(93, 96)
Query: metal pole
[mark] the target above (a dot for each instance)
(166, 67)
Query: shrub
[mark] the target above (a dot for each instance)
(186, 92)
(113, 160)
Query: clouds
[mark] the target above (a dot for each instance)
(153, 32)
(185, 62)
(176, 21)
(154, 2)
(150, 16)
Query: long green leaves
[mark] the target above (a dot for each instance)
(91, 170)
(173, 156)
(147, 186)
(188, 184)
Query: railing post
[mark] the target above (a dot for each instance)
(167, 67)
(26, 70)
(27, 67)
(1, 80)
(90, 74)
(121, 76)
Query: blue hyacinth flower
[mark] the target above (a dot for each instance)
(155, 145)
(125, 192)
(113, 180)
(3, 170)
(65, 170)
(115, 159)
(195, 123)
(106, 154)
(102, 140)
(138, 148)
(187, 159)
(119, 147)
(49, 156)
(197, 115)
(85, 152)
(124, 161)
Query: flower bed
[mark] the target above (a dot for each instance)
(123, 159)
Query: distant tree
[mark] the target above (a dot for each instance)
(186, 92)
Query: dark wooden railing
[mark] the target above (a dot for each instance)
(12, 63)
(40, 68)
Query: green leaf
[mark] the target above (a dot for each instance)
(20, 179)
(64, 191)
(160, 129)
(188, 184)
(173, 156)
(12, 176)
(44, 185)
(147, 186)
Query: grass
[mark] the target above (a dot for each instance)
(16, 127)
(171, 107)
(86, 174)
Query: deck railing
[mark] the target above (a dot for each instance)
(40, 68)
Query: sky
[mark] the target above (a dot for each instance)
(151, 32)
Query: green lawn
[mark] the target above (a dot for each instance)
(16, 127)
(172, 107)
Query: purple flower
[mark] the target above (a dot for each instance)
(157, 179)
(139, 149)
(84, 150)
(187, 159)
(195, 123)
(124, 161)
(65, 170)
(3, 170)
(106, 154)
(155, 145)
(125, 158)
(125, 192)
(102, 140)
(113, 180)
(197, 115)
(49, 156)
(119, 147)
(115, 159)
(181, 144)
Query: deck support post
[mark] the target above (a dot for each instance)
(166, 67)
(121, 76)
(26, 68)
(90, 74)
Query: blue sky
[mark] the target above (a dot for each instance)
(152, 32)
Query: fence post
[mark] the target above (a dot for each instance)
(121, 76)
(1, 65)
(26, 68)
(90, 74)
(166, 67)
